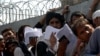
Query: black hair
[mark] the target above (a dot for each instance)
(51, 15)
(7, 29)
(20, 32)
(77, 13)
(11, 41)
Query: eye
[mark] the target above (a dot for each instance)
(81, 32)
(9, 33)
(51, 22)
(57, 22)
(86, 28)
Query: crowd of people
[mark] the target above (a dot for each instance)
(53, 36)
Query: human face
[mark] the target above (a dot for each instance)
(84, 32)
(33, 41)
(96, 21)
(75, 18)
(2, 45)
(8, 34)
(55, 23)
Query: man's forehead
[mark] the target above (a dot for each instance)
(8, 31)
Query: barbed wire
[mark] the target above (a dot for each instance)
(11, 11)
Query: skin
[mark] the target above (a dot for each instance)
(80, 46)
(33, 41)
(2, 45)
(55, 23)
(96, 21)
(84, 32)
(63, 44)
(92, 8)
(9, 34)
(52, 40)
(62, 47)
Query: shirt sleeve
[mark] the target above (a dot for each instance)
(93, 46)
(18, 52)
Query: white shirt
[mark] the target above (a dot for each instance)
(18, 52)
(29, 49)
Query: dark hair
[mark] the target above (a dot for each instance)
(51, 15)
(7, 29)
(77, 13)
(20, 32)
(79, 23)
(11, 41)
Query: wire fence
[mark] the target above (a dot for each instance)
(11, 10)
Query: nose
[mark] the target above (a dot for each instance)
(8, 36)
(54, 25)
(87, 32)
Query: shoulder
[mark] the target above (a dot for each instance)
(18, 49)
(97, 30)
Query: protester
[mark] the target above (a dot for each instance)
(57, 21)
(21, 39)
(31, 38)
(13, 48)
(96, 18)
(93, 46)
(2, 46)
(86, 29)
(8, 33)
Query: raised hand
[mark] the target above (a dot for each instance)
(52, 40)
